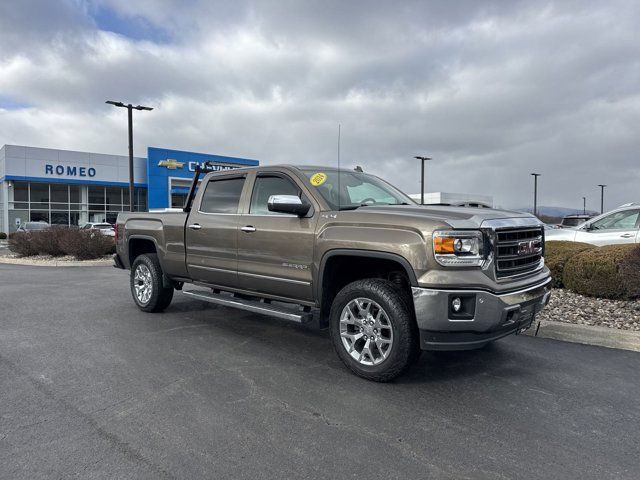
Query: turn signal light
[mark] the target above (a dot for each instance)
(444, 245)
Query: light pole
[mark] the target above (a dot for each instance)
(584, 205)
(130, 109)
(535, 192)
(602, 198)
(422, 160)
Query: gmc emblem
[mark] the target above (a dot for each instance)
(528, 248)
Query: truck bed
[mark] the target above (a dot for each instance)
(165, 229)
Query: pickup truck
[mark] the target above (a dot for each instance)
(346, 250)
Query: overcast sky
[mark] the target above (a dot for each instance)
(491, 90)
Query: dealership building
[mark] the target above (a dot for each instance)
(64, 187)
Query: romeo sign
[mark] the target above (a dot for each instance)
(69, 171)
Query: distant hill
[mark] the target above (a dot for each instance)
(557, 211)
(556, 214)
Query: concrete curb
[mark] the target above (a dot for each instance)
(56, 263)
(588, 335)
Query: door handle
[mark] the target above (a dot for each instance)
(248, 229)
(195, 226)
(627, 235)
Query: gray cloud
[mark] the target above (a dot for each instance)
(492, 90)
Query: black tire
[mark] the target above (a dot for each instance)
(160, 296)
(404, 350)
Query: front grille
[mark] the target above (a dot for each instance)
(518, 251)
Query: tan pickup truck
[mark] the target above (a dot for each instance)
(347, 250)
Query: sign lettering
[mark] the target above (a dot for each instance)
(211, 168)
(69, 171)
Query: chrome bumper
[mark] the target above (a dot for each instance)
(490, 316)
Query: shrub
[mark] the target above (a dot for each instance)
(82, 244)
(630, 272)
(596, 272)
(22, 244)
(47, 242)
(556, 255)
(3, 236)
(86, 245)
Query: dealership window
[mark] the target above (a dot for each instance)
(179, 188)
(178, 200)
(63, 204)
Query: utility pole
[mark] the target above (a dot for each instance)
(584, 205)
(535, 192)
(602, 198)
(422, 160)
(130, 109)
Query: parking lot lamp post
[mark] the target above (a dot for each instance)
(422, 160)
(535, 193)
(130, 109)
(602, 198)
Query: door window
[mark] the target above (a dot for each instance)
(222, 196)
(625, 220)
(266, 186)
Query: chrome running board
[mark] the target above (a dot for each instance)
(291, 313)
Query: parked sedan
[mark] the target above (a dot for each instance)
(104, 228)
(621, 225)
(33, 226)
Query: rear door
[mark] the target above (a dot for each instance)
(211, 233)
(617, 227)
(275, 250)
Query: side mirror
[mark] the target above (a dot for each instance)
(288, 204)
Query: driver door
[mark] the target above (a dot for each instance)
(615, 228)
(275, 250)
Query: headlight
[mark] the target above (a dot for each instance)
(458, 248)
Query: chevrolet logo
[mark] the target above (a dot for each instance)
(171, 164)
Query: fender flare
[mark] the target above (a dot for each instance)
(362, 253)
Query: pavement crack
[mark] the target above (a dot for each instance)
(118, 443)
(166, 330)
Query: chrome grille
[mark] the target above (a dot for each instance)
(518, 251)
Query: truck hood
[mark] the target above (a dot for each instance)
(455, 217)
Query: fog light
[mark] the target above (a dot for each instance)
(456, 304)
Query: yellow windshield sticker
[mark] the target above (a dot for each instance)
(318, 179)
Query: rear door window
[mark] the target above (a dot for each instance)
(222, 196)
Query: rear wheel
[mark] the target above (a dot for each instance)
(146, 284)
(373, 330)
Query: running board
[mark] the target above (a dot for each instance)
(255, 306)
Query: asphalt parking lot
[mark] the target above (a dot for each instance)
(90, 387)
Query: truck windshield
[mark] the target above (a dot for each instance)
(351, 190)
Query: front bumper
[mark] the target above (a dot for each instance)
(489, 316)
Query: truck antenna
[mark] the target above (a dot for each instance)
(339, 191)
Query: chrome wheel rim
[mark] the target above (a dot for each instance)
(366, 331)
(142, 283)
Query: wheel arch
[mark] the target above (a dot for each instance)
(376, 261)
(140, 244)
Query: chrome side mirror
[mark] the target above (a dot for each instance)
(288, 204)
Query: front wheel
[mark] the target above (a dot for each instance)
(373, 329)
(146, 284)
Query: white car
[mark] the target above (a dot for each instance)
(104, 228)
(621, 225)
